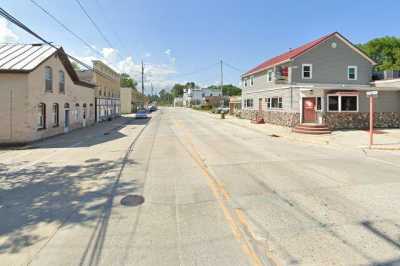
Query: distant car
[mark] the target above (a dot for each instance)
(222, 110)
(152, 108)
(141, 114)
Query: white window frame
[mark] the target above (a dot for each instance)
(245, 82)
(251, 80)
(340, 103)
(316, 103)
(302, 71)
(270, 77)
(247, 101)
(355, 72)
(268, 100)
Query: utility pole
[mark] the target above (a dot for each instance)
(142, 78)
(222, 81)
(222, 77)
(152, 89)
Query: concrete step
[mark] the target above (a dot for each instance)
(312, 132)
(313, 128)
(306, 125)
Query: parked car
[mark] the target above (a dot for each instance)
(141, 114)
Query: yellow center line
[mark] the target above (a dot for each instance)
(220, 194)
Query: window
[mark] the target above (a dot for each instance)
(251, 80)
(41, 116)
(274, 103)
(352, 72)
(269, 76)
(343, 103)
(48, 77)
(61, 82)
(248, 103)
(306, 71)
(84, 111)
(268, 101)
(245, 82)
(333, 103)
(77, 112)
(349, 104)
(55, 115)
(319, 103)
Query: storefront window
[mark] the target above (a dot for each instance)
(333, 103)
(349, 103)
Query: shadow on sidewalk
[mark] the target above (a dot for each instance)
(58, 195)
(91, 136)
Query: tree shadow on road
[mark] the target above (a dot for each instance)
(61, 195)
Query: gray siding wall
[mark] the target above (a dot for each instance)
(290, 99)
(329, 65)
(387, 101)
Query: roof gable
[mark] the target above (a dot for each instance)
(24, 58)
(301, 50)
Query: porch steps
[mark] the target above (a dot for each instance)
(312, 129)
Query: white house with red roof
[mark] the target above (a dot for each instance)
(317, 87)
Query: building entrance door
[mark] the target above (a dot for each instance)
(66, 121)
(309, 113)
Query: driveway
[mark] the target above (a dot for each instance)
(214, 193)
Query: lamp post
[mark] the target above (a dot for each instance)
(371, 95)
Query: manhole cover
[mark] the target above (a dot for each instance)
(132, 200)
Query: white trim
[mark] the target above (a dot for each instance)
(316, 104)
(355, 49)
(302, 71)
(340, 103)
(355, 72)
(267, 67)
(274, 108)
(337, 35)
(270, 72)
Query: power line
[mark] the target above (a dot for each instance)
(15, 21)
(94, 24)
(108, 22)
(66, 28)
(197, 71)
(232, 67)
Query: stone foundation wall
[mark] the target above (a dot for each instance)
(361, 120)
(273, 117)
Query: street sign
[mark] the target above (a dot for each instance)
(372, 93)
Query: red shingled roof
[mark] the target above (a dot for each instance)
(288, 55)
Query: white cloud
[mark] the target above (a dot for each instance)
(156, 74)
(110, 55)
(6, 34)
(171, 58)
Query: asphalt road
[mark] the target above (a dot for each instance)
(213, 193)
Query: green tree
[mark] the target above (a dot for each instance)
(177, 90)
(385, 51)
(127, 81)
(228, 90)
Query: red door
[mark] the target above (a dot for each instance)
(309, 114)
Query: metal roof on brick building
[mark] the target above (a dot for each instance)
(23, 57)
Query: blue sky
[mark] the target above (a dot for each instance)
(177, 37)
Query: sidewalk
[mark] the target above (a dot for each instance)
(384, 139)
